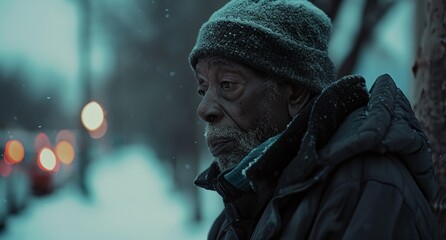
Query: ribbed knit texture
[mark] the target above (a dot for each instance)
(285, 38)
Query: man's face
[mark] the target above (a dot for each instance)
(240, 106)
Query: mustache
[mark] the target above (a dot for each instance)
(211, 132)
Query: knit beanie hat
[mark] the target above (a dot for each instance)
(284, 38)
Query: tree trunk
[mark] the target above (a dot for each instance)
(430, 94)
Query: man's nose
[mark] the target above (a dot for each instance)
(209, 110)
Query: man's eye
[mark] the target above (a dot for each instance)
(225, 85)
(201, 92)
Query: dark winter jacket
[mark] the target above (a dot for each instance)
(352, 165)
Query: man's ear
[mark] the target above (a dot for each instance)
(297, 99)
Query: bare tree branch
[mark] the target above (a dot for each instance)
(331, 8)
(373, 13)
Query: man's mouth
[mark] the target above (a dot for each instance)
(218, 145)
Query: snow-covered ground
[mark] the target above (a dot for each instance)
(132, 198)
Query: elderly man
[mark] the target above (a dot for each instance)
(299, 155)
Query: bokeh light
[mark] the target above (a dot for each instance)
(47, 160)
(5, 168)
(64, 152)
(42, 141)
(92, 116)
(66, 135)
(99, 132)
(14, 152)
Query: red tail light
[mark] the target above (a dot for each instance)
(42, 141)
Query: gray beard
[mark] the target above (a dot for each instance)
(244, 141)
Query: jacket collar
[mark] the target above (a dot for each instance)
(206, 178)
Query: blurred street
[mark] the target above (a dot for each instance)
(132, 197)
(99, 100)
